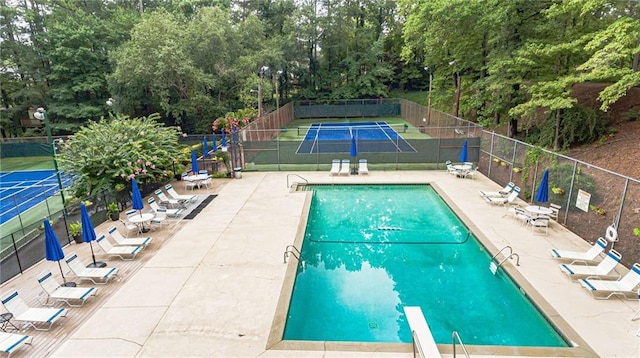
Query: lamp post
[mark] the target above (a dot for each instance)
(41, 115)
(456, 77)
(429, 95)
(278, 73)
(112, 103)
(261, 73)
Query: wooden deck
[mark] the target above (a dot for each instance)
(46, 342)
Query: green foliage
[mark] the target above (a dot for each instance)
(112, 208)
(111, 152)
(560, 177)
(579, 125)
(75, 229)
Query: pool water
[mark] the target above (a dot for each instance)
(370, 250)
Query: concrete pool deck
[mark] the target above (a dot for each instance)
(212, 288)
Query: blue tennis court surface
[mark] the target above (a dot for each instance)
(371, 137)
(19, 191)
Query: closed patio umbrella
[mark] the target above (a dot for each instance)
(354, 153)
(542, 194)
(223, 140)
(89, 234)
(136, 198)
(213, 140)
(53, 250)
(194, 162)
(205, 147)
(464, 155)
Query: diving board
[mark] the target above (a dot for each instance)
(418, 324)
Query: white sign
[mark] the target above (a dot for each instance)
(582, 200)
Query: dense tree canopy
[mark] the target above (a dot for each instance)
(192, 61)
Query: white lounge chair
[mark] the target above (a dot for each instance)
(344, 168)
(123, 252)
(625, 286)
(166, 201)
(335, 167)
(363, 166)
(180, 197)
(9, 342)
(500, 193)
(41, 319)
(510, 199)
(97, 275)
(603, 269)
(170, 212)
(130, 241)
(578, 256)
(54, 291)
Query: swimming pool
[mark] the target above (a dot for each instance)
(363, 259)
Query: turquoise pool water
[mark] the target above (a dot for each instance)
(370, 250)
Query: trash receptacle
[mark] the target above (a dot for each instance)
(237, 173)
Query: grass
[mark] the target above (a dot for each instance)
(26, 163)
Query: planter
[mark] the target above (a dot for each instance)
(115, 216)
(77, 239)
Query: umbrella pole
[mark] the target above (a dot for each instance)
(93, 256)
(64, 279)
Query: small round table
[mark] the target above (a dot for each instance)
(141, 219)
(538, 210)
(5, 319)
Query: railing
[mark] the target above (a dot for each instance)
(456, 337)
(417, 348)
(493, 266)
(291, 250)
(295, 175)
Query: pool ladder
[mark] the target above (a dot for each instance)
(494, 267)
(291, 250)
(295, 175)
(456, 337)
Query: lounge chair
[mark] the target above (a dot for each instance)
(625, 286)
(41, 319)
(165, 201)
(180, 197)
(97, 275)
(335, 167)
(499, 194)
(502, 200)
(123, 252)
(363, 166)
(170, 212)
(578, 256)
(344, 168)
(54, 291)
(9, 342)
(603, 269)
(130, 241)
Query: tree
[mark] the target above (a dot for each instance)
(114, 151)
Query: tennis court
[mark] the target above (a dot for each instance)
(371, 137)
(20, 191)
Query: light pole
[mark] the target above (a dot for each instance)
(278, 73)
(456, 76)
(41, 115)
(112, 103)
(262, 72)
(429, 96)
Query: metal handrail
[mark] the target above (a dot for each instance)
(417, 348)
(288, 175)
(502, 249)
(455, 335)
(291, 250)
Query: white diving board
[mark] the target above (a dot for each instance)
(418, 324)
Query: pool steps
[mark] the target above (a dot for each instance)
(420, 333)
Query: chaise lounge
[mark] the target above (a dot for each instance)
(54, 291)
(41, 319)
(604, 289)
